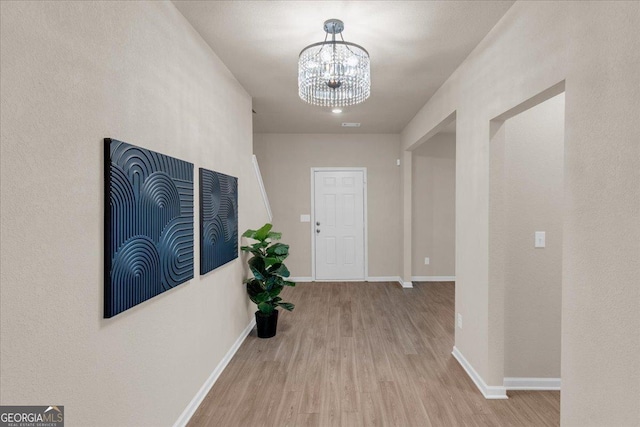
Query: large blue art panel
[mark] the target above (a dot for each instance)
(148, 230)
(218, 219)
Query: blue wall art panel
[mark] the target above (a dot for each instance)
(148, 230)
(218, 219)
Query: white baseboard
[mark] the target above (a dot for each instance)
(368, 279)
(511, 383)
(390, 279)
(202, 393)
(489, 392)
(433, 278)
(384, 279)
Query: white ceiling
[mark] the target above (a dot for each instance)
(414, 47)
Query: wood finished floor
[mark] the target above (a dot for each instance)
(362, 354)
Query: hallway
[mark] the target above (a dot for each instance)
(362, 354)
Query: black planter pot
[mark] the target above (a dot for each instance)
(267, 325)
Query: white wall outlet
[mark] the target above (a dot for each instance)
(426, 261)
(459, 320)
(398, 162)
(305, 218)
(540, 239)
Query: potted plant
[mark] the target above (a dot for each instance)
(269, 273)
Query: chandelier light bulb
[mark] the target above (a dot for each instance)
(334, 73)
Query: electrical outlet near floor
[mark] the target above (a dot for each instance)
(426, 261)
(459, 320)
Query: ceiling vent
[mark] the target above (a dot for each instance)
(351, 125)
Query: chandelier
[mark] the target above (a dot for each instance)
(334, 73)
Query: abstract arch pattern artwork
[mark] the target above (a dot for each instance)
(148, 230)
(218, 219)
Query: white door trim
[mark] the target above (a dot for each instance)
(313, 218)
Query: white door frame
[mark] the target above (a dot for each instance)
(313, 221)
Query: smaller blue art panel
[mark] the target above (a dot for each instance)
(148, 227)
(218, 219)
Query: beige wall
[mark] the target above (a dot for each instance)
(72, 74)
(533, 167)
(286, 161)
(596, 48)
(434, 204)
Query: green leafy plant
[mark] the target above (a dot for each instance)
(269, 271)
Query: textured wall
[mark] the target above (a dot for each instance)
(596, 48)
(72, 74)
(434, 204)
(533, 167)
(286, 161)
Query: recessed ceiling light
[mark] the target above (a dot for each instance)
(336, 110)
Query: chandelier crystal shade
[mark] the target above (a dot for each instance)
(334, 73)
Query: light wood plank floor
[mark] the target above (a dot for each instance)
(362, 354)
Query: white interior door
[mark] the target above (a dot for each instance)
(339, 224)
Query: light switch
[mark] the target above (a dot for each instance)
(540, 239)
(305, 218)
